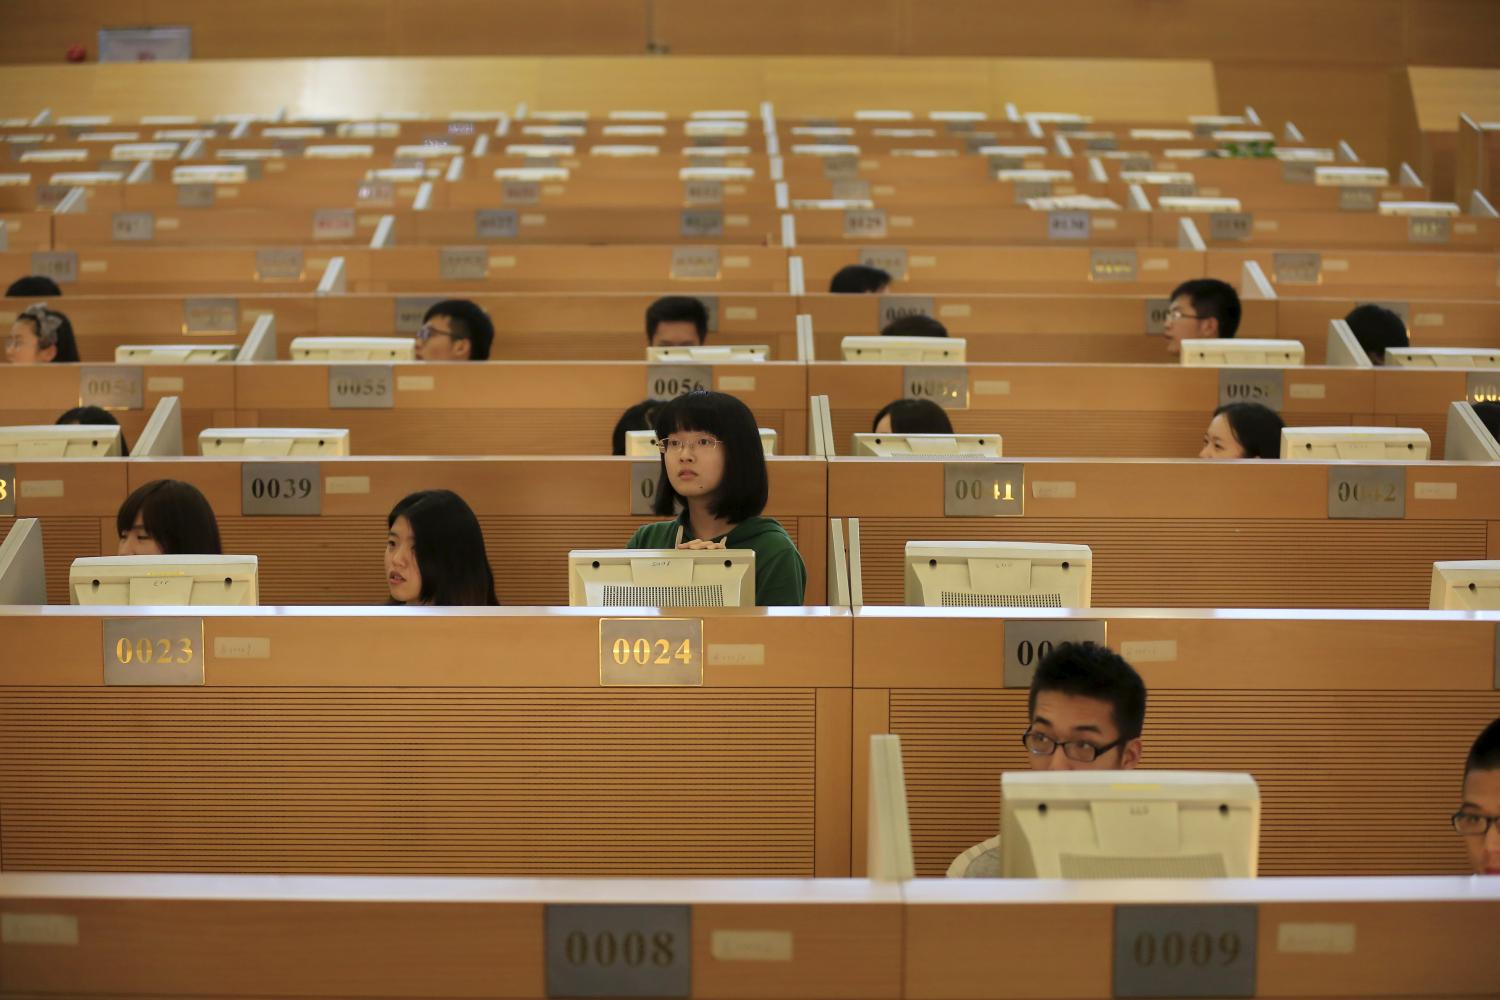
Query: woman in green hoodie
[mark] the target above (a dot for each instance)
(714, 468)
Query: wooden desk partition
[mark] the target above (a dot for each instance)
(39, 394)
(111, 270)
(1189, 533)
(1060, 270)
(1372, 274)
(957, 225)
(517, 408)
(250, 936)
(1354, 725)
(533, 512)
(429, 741)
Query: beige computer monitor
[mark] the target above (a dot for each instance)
(1465, 585)
(1467, 439)
(726, 354)
(273, 442)
(392, 349)
(642, 444)
(1129, 824)
(661, 578)
(1442, 357)
(970, 574)
(214, 581)
(1406, 444)
(174, 354)
(1231, 352)
(60, 441)
(898, 350)
(889, 856)
(897, 445)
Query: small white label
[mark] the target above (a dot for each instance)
(1150, 651)
(1335, 264)
(163, 383)
(1307, 390)
(41, 489)
(736, 383)
(1055, 490)
(915, 261)
(242, 648)
(1428, 319)
(502, 262)
(736, 654)
(751, 946)
(416, 383)
(736, 261)
(38, 928)
(991, 387)
(1315, 939)
(1106, 223)
(741, 312)
(1155, 264)
(956, 310)
(1435, 491)
(348, 485)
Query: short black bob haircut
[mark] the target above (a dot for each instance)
(1484, 755)
(860, 279)
(176, 515)
(677, 309)
(1086, 670)
(468, 322)
(1213, 299)
(92, 415)
(637, 418)
(914, 325)
(449, 546)
(1377, 329)
(1256, 427)
(914, 416)
(745, 488)
(34, 286)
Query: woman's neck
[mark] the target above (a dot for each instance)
(703, 522)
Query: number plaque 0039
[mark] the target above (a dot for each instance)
(650, 652)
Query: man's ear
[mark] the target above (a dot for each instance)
(461, 348)
(1210, 327)
(1130, 754)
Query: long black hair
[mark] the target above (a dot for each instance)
(176, 515)
(449, 547)
(745, 488)
(1256, 427)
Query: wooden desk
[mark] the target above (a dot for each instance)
(1354, 724)
(428, 741)
(1189, 533)
(1035, 270)
(1375, 274)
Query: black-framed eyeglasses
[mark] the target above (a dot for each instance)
(429, 331)
(1039, 744)
(1175, 314)
(1473, 824)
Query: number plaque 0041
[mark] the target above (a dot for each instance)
(650, 652)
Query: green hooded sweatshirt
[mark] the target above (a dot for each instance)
(780, 577)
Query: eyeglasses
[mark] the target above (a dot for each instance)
(1041, 745)
(1174, 314)
(1473, 824)
(676, 446)
(429, 331)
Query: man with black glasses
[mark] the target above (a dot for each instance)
(1478, 817)
(1087, 708)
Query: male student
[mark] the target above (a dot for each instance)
(1478, 816)
(1201, 309)
(1087, 708)
(860, 279)
(455, 330)
(676, 321)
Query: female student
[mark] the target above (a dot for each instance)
(40, 335)
(434, 552)
(1243, 430)
(714, 468)
(167, 518)
(912, 416)
(94, 415)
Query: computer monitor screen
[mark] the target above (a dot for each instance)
(1442, 357)
(998, 575)
(1128, 824)
(353, 349)
(727, 354)
(661, 578)
(642, 444)
(23, 572)
(892, 445)
(60, 441)
(1231, 352)
(1466, 585)
(165, 580)
(942, 350)
(1409, 444)
(273, 442)
(174, 354)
